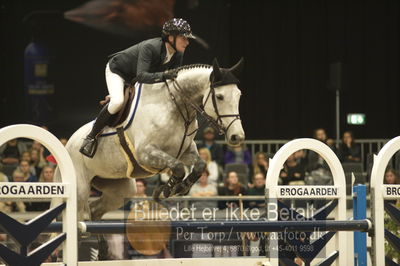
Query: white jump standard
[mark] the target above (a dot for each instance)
(66, 190)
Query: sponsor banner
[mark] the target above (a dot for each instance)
(32, 190)
(322, 192)
(391, 191)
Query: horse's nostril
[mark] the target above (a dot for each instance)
(234, 138)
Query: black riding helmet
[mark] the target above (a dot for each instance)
(175, 27)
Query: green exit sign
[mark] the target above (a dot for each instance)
(356, 119)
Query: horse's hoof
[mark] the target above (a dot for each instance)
(167, 191)
(157, 193)
(103, 248)
(181, 190)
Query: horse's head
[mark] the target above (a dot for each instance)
(221, 102)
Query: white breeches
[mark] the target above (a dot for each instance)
(115, 86)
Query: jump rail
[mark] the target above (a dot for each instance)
(221, 226)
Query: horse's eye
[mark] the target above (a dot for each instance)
(220, 97)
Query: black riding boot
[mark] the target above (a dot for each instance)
(89, 145)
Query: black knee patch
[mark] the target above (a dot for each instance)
(178, 170)
(199, 167)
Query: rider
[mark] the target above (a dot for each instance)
(149, 61)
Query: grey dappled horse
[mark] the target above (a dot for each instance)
(161, 136)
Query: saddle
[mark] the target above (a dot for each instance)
(118, 118)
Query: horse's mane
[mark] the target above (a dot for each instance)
(193, 66)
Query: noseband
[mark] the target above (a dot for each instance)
(217, 122)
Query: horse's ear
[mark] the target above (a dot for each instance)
(216, 70)
(237, 69)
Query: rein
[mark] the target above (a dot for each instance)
(217, 123)
(188, 120)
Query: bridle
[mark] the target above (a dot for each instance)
(216, 123)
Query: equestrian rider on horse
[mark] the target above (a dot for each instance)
(149, 61)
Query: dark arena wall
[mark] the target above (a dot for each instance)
(288, 47)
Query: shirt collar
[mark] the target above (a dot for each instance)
(168, 54)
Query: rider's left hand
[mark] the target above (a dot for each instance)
(170, 74)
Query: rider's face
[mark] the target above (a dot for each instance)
(181, 43)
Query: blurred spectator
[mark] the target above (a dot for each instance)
(257, 245)
(320, 134)
(3, 177)
(212, 166)
(23, 174)
(391, 177)
(301, 158)
(319, 172)
(26, 156)
(258, 189)
(12, 206)
(141, 185)
(203, 189)
(232, 187)
(349, 150)
(208, 142)
(27, 170)
(9, 206)
(292, 172)
(50, 157)
(18, 176)
(37, 161)
(239, 154)
(47, 174)
(260, 164)
(63, 141)
(43, 152)
(36, 145)
(51, 160)
(11, 151)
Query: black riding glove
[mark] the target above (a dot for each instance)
(170, 74)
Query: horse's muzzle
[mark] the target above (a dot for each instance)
(236, 139)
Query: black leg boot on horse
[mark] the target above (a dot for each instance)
(182, 188)
(178, 173)
(89, 145)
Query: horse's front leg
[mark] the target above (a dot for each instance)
(155, 158)
(190, 157)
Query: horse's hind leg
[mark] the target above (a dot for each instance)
(114, 191)
(83, 190)
(153, 157)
